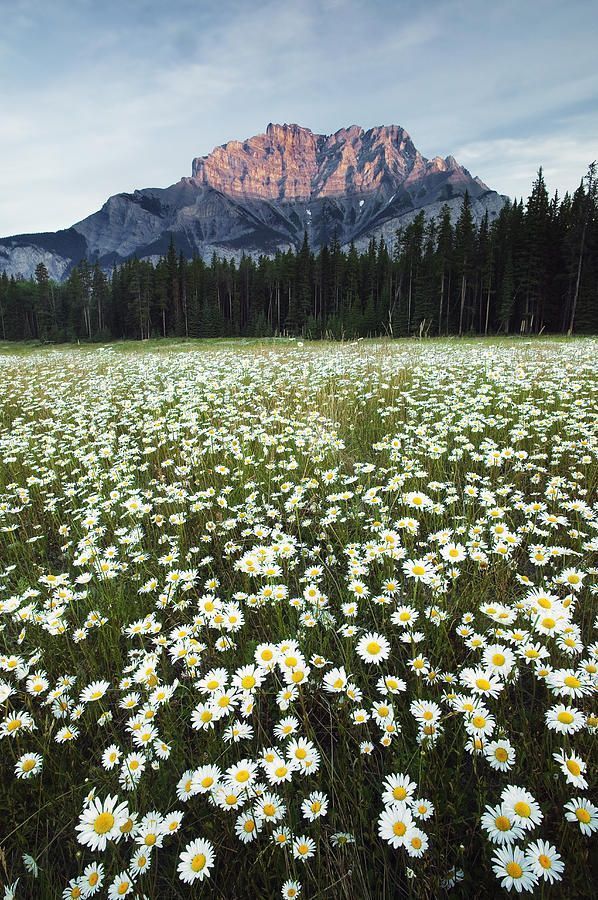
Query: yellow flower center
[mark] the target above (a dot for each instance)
(498, 659)
(502, 823)
(573, 767)
(522, 809)
(247, 682)
(545, 861)
(373, 648)
(103, 823)
(399, 828)
(572, 682)
(582, 815)
(514, 870)
(399, 793)
(28, 765)
(198, 862)
(269, 809)
(483, 684)
(565, 717)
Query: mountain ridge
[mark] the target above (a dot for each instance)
(260, 195)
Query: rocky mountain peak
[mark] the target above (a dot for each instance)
(261, 195)
(290, 162)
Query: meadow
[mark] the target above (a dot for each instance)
(300, 620)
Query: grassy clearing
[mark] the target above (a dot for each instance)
(219, 553)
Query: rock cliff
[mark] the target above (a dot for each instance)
(262, 194)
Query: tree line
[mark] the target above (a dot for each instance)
(533, 269)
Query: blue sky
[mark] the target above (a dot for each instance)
(101, 97)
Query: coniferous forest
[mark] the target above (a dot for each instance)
(532, 269)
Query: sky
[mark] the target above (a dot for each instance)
(102, 97)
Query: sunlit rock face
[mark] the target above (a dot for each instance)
(261, 195)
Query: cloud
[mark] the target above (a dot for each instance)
(515, 161)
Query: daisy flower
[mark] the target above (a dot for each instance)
(92, 879)
(28, 765)
(583, 812)
(121, 886)
(397, 789)
(247, 827)
(204, 779)
(546, 863)
(572, 767)
(482, 681)
(513, 869)
(195, 861)
(270, 807)
(500, 754)
(111, 756)
(373, 648)
(100, 822)
(522, 806)
(421, 808)
(565, 719)
(315, 806)
(500, 825)
(568, 683)
(241, 774)
(94, 691)
(303, 848)
(416, 842)
(395, 824)
(141, 861)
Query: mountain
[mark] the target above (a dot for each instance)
(261, 195)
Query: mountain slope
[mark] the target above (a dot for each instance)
(261, 195)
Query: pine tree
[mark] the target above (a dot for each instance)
(464, 249)
(587, 211)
